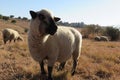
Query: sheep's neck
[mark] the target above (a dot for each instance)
(40, 38)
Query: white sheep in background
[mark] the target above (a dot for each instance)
(10, 34)
(101, 38)
(48, 41)
(97, 38)
(104, 38)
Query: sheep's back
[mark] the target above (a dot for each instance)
(10, 31)
(104, 38)
(7, 32)
(67, 39)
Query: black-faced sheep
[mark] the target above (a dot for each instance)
(10, 34)
(97, 38)
(48, 41)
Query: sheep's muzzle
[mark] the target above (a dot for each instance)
(52, 27)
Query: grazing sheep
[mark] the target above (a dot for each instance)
(48, 41)
(97, 38)
(10, 34)
(104, 38)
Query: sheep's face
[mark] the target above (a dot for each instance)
(44, 22)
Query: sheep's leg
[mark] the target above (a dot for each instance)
(51, 61)
(75, 56)
(14, 40)
(5, 41)
(50, 73)
(42, 68)
(61, 66)
(10, 40)
(74, 67)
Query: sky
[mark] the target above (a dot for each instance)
(101, 12)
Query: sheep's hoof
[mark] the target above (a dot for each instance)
(49, 78)
(43, 73)
(72, 73)
(42, 77)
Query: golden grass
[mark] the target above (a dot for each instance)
(98, 61)
(101, 59)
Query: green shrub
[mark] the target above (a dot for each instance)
(11, 16)
(5, 18)
(13, 21)
(24, 18)
(91, 30)
(113, 33)
(19, 17)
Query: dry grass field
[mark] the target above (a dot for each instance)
(98, 61)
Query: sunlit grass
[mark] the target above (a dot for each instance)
(98, 60)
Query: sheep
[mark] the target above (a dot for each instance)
(104, 38)
(10, 34)
(101, 38)
(48, 41)
(97, 38)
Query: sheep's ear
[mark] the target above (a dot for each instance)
(56, 19)
(33, 14)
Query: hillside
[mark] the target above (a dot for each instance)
(98, 61)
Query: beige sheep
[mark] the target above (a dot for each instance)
(104, 38)
(97, 38)
(48, 41)
(10, 34)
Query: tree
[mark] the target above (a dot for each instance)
(114, 33)
(19, 17)
(5, 18)
(24, 18)
(0, 16)
(11, 16)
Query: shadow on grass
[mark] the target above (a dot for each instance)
(62, 75)
(57, 76)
